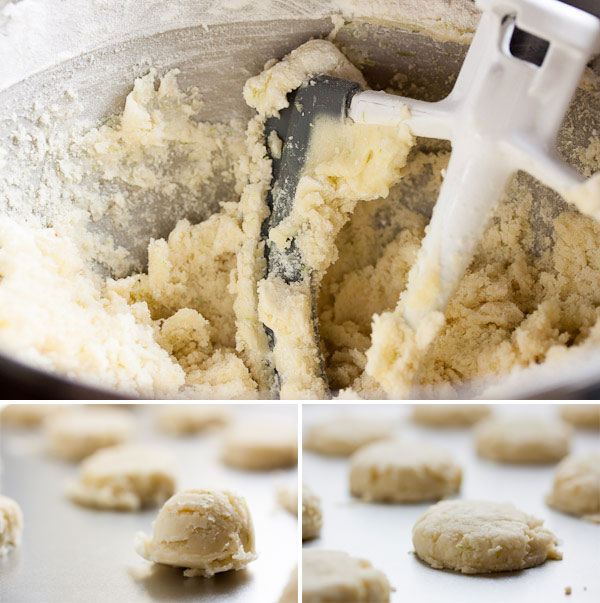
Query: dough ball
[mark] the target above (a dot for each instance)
(312, 514)
(584, 416)
(260, 446)
(205, 531)
(476, 537)
(290, 592)
(341, 435)
(11, 524)
(127, 477)
(28, 415)
(450, 415)
(75, 434)
(522, 440)
(187, 419)
(576, 487)
(335, 576)
(394, 471)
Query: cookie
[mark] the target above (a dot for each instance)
(312, 516)
(11, 524)
(450, 415)
(477, 537)
(576, 488)
(290, 592)
(403, 472)
(204, 531)
(28, 415)
(335, 576)
(127, 477)
(583, 416)
(188, 419)
(341, 435)
(522, 440)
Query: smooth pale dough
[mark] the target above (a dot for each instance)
(290, 593)
(395, 471)
(28, 415)
(450, 415)
(11, 524)
(186, 419)
(341, 435)
(205, 531)
(127, 477)
(261, 445)
(477, 537)
(522, 440)
(335, 576)
(576, 487)
(76, 434)
(584, 416)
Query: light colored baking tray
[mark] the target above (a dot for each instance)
(73, 554)
(382, 533)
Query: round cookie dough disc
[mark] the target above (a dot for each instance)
(11, 524)
(335, 576)
(395, 471)
(127, 477)
(450, 415)
(290, 593)
(186, 419)
(28, 415)
(312, 516)
(584, 416)
(205, 531)
(522, 440)
(342, 435)
(576, 487)
(476, 537)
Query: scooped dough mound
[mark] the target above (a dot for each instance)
(335, 576)
(576, 488)
(187, 419)
(450, 415)
(76, 434)
(583, 416)
(11, 524)
(341, 435)
(204, 531)
(477, 537)
(522, 440)
(127, 477)
(27, 415)
(312, 515)
(396, 471)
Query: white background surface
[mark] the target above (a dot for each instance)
(74, 554)
(382, 533)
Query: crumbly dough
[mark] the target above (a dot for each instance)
(27, 415)
(582, 416)
(204, 531)
(522, 440)
(127, 477)
(401, 472)
(477, 537)
(290, 592)
(312, 514)
(78, 433)
(341, 435)
(186, 419)
(576, 488)
(335, 576)
(260, 445)
(450, 415)
(11, 524)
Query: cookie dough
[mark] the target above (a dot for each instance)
(522, 440)
(290, 592)
(583, 416)
(576, 488)
(127, 477)
(450, 415)
(477, 537)
(27, 415)
(204, 531)
(335, 576)
(312, 516)
(341, 435)
(11, 524)
(186, 419)
(403, 472)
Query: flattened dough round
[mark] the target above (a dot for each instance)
(396, 471)
(187, 419)
(476, 537)
(341, 435)
(335, 576)
(28, 415)
(75, 434)
(290, 592)
(261, 445)
(205, 531)
(584, 416)
(312, 515)
(576, 487)
(522, 440)
(127, 477)
(450, 415)
(11, 524)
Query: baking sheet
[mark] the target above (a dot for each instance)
(382, 533)
(71, 553)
